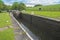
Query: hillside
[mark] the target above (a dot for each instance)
(45, 8)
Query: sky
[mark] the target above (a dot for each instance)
(33, 2)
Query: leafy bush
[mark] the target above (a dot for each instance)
(0, 11)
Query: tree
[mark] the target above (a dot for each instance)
(21, 6)
(1, 5)
(39, 9)
(38, 5)
(18, 6)
(15, 6)
(8, 7)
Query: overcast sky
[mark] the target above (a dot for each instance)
(33, 2)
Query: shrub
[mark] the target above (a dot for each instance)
(0, 11)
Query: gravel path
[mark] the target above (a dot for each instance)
(19, 33)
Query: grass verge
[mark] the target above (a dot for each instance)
(5, 19)
(7, 34)
(51, 14)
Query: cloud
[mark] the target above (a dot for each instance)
(29, 5)
(10, 2)
(43, 2)
(33, 2)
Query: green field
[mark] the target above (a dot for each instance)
(51, 14)
(52, 11)
(7, 34)
(5, 19)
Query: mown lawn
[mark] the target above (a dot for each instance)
(5, 19)
(51, 14)
(7, 34)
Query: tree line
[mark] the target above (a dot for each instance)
(14, 6)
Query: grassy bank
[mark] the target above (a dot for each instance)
(51, 14)
(7, 34)
(5, 19)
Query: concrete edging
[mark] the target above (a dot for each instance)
(26, 30)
